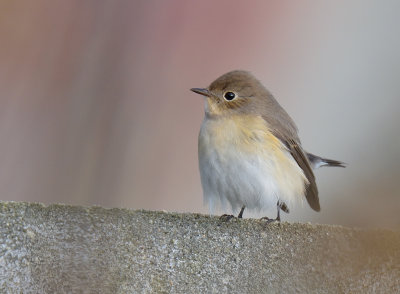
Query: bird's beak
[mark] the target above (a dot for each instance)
(201, 91)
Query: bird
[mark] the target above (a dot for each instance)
(249, 152)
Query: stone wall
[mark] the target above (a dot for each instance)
(67, 249)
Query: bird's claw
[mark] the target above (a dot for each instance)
(270, 220)
(226, 217)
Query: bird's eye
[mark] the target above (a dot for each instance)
(229, 96)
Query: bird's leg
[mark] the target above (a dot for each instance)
(227, 217)
(280, 205)
(278, 217)
(240, 215)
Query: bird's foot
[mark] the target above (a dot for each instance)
(270, 220)
(226, 217)
(280, 206)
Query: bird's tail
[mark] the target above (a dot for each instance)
(316, 161)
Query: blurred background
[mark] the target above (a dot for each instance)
(95, 106)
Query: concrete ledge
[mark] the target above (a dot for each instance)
(66, 249)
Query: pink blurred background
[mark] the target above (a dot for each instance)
(95, 106)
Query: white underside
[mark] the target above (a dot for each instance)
(241, 180)
(232, 177)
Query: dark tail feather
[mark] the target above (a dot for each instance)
(317, 161)
(330, 162)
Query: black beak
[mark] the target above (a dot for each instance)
(201, 91)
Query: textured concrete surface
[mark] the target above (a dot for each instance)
(66, 249)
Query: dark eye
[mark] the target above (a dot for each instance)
(229, 96)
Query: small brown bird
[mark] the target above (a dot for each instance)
(249, 152)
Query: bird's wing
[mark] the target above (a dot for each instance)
(301, 159)
(285, 130)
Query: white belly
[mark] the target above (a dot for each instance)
(236, 170)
